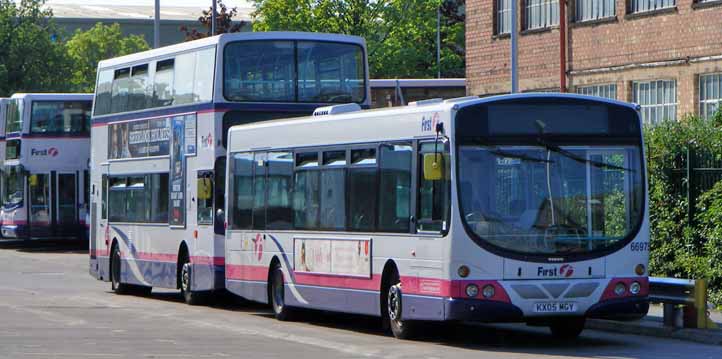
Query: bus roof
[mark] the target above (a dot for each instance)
(54, 96)
(225, 38)
(377, 119)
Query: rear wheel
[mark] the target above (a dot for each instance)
(401, 329)
(186, 278)
(116, 285)
(567, 329)
(277, 294)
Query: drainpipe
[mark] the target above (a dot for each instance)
(562, 46)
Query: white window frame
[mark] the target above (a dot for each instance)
(503, 16)
(710, 93)
(640, 6)
(653, 109)
(540, 14)
(590, 10)
(600, 90)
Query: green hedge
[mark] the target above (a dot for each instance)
(685, 247)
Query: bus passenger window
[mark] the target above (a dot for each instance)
(259, 190)
(434, 195)
(306, 196)
(205, 197)
(279, 212)
(241, 196)
(395, 187)
(362, 183)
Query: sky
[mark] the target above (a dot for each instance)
(194, 3)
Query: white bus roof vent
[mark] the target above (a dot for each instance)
(461, 99)
(431, 101)
(336, 109)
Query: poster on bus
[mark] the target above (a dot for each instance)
(142, 138)
(333, 256)
(176, 181)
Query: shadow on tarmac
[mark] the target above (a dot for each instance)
(72, 246)
(488, 337)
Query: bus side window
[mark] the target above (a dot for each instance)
(205, 197)
(395, 187)
(434, 195)
(104, 188)
(219, 221)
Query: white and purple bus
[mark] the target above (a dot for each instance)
(518, 208)
(45, 166)
(158, 151)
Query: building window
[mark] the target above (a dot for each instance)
(657, 98)
(587, 10)
(710, 94)
(539, 14)
(606, 91)
(636, 6)
(503, 16)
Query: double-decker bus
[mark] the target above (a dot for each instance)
(3, 109)
(158, 153)
(517, 208)
(45, 173)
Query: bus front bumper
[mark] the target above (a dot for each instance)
(13, 231)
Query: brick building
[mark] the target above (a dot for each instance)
(665, 55)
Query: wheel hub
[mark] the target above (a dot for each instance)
(185, 278)
(394, 303)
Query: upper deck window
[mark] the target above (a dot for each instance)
(184, 79)
(14, 122)
(70, 117)
(294, 71)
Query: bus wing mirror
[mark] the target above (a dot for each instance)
(433, 166)
(204, 188)
(33, 179)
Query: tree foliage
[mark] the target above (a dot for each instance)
(86, 48)
(401, 34)
(31, 56)
(224, 22)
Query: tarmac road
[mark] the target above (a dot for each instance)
(50, 307)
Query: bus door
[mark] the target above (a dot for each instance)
(39, 209)
(65, 197)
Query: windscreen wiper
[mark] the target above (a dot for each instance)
(572, 156)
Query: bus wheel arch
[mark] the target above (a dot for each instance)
(114, 270)
(391, 302)
(184, 278)
(182, 258)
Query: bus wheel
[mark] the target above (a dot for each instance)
(567, 329)
(401, 329)
(277, 295)
(190, 297)
(115, 284)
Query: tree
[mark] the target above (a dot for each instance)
(32, 58)
(401, 34)
(86, 48)
(224, 22)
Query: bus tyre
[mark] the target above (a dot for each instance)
(116, 285)
(400, 328)
(567, 329)
(189, 296)
(277, 294)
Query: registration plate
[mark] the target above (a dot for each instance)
(555, 307)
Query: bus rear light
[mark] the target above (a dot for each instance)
(472, 290)
(626, 287)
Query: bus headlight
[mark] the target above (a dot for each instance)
(488, 291)
(472, 290)
(635, 288)
(620, 289)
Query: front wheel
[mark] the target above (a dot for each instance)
(568, 329)
(277, 295)
(401, 329)
(115, 284)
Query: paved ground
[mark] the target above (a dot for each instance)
(51, 308)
